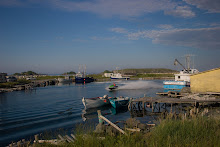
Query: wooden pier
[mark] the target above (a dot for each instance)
(156, 105)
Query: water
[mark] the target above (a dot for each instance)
(25, 113)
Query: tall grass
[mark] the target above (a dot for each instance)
(195, 132)
(201, 132)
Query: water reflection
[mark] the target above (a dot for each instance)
(106, 110)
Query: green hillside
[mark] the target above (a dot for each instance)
(147, 70)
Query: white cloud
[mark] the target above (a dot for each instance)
(210, 5)
(165, 26)
(119, 30)
(108, 8)
(123, 8)
(103, 38)
(181, 11)
(202, 38)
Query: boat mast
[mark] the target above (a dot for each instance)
(188, 62)
(84, 70)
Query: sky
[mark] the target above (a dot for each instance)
(56, 36)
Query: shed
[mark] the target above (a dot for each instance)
(207, 81)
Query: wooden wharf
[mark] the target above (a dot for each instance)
(157, 105)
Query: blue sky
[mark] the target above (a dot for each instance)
(55, 36)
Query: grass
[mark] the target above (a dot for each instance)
(98, 76)
(48, 77)
(153, 75)
(12, 84)
(195, 132)
(200, 131)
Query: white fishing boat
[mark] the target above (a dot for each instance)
(95, 102)
(119, 76)
(182, 79)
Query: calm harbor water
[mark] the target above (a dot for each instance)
(25, 113)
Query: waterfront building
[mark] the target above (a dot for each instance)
(108, 75)
(11, 79)
(207, 81)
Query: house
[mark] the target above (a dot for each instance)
(3, 77)
(11, 79)
(108, 75)
(207, 81)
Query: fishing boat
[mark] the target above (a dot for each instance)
(119, 76)
(182, 79)
(82, 78)
(113, 87)
(119, 102)
(95, 102)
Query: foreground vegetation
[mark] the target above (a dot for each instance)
(190, 132)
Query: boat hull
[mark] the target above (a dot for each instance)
(175, 85)
(119, 102)
(94, 102)
(123, 78)
(84, 80)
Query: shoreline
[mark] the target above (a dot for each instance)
(48, 82)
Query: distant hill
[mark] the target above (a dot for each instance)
(147, 70)
(27, 73)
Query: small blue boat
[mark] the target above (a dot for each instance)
(118, 102)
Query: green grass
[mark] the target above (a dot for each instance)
(198, 132)
(195, 132)
(98, 76)
(48, 77)
(148, 70)
(153, 75)
(12, 84)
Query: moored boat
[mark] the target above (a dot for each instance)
(119, 76)
(82, 78)
(95, 102)
(182, 79)
(118, 102)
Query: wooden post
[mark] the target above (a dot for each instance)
(143, 107)
(152, 107)
(139, 106)
(159, 107)
(131, 106)
(36, 137)
(19, 143)
(100, 119)
(116, 127)
(171, 108)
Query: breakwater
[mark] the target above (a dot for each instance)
(32, 85)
